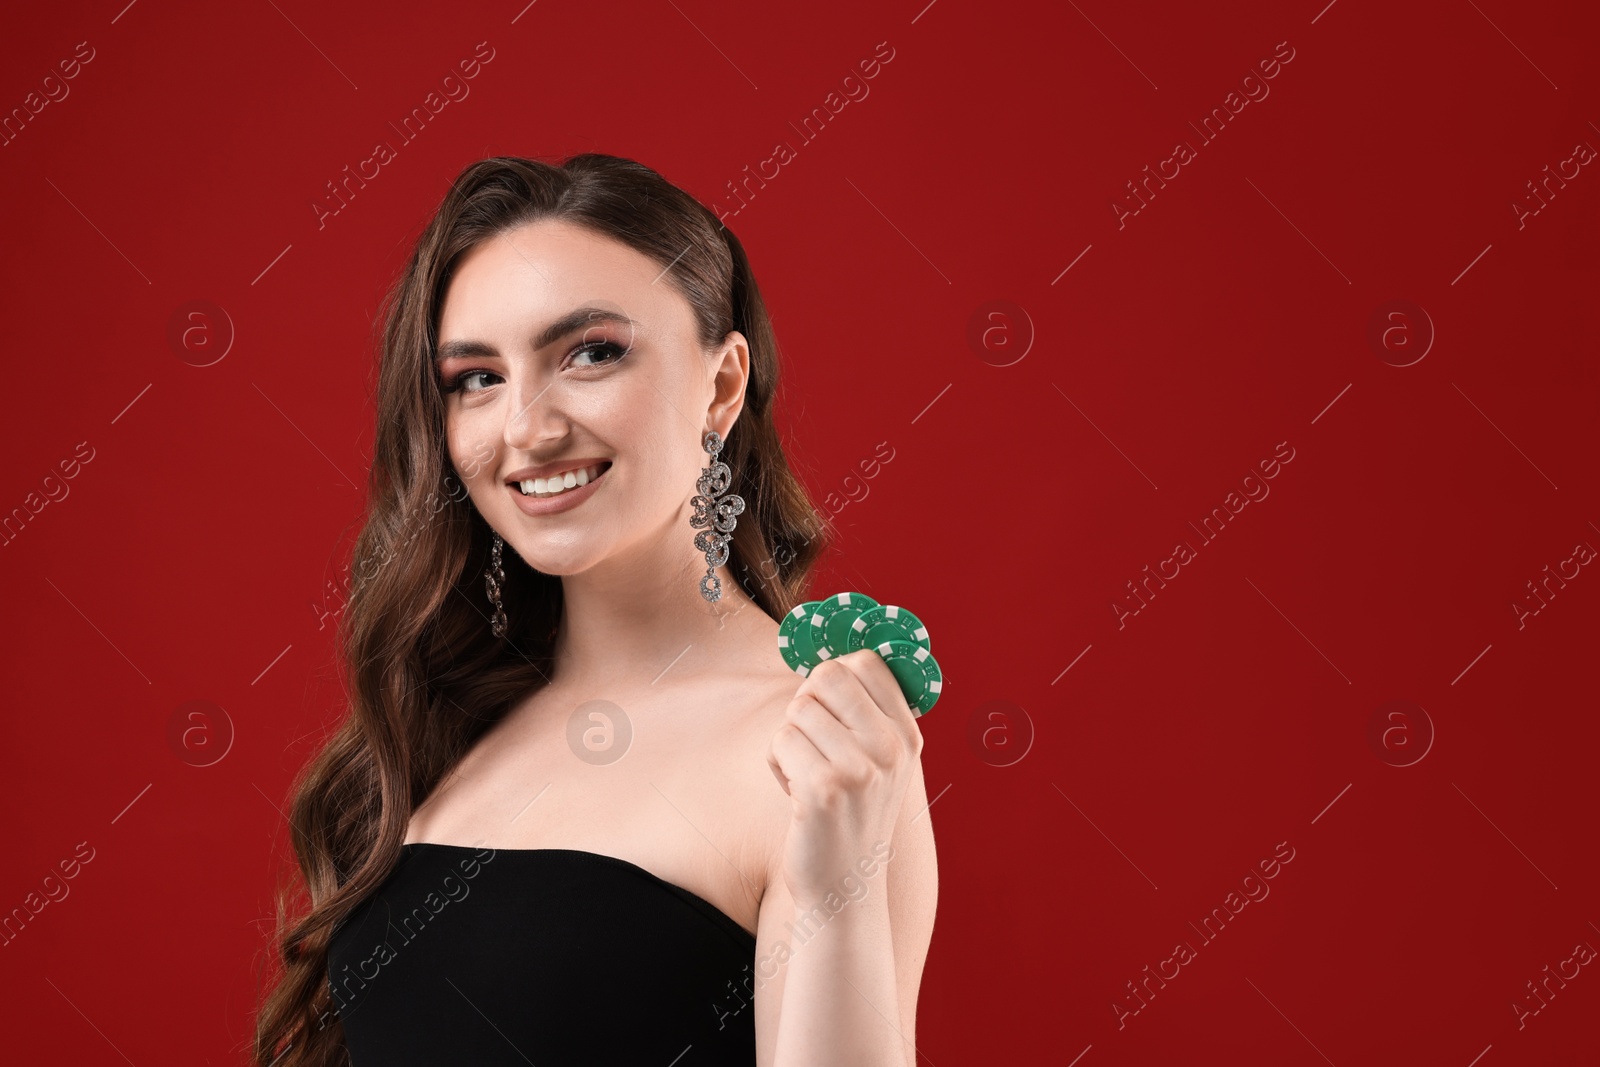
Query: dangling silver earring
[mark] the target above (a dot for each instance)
(714, 510)
(495, 576)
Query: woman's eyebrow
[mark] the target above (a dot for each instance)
(578, 318)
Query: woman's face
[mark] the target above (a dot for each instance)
(561, 349)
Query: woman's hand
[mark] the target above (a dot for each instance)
(845, 755)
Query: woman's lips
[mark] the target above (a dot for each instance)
(565, 500)
(558, 483)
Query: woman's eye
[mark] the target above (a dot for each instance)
(600, 348)
(459, 382)
(602, 353)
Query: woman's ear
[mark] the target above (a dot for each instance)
(730, 375)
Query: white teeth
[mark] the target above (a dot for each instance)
(560, 483)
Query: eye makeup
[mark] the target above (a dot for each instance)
(614, 352)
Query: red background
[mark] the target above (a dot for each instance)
(191, 558)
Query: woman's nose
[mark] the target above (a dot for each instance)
(533, 416)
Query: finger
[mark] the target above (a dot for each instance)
(821, 726)
(792, 755)
(840, 690)
(777, 772)
(879, 681)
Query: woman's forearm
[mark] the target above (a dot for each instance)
(840, 1001)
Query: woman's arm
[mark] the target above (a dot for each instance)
(837, 978)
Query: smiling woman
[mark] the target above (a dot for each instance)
(585, 348)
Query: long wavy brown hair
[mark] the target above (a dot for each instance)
(424, 673)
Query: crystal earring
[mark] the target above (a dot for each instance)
(495, 577)
(714, 515)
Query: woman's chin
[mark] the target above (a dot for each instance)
(554, 559)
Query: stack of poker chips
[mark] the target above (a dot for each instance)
(821, 629)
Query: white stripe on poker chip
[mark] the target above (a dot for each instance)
(824, 653)
(892, 612)
(922, 631)
(783, 641)
(921, 653)
(858, 625)
(934, 687)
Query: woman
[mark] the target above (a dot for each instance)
(581, 811)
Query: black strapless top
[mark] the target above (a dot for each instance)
(547, 956)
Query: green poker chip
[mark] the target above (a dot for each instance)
(794, 638)
(917, 672)
(886, 622)
(831, 622)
